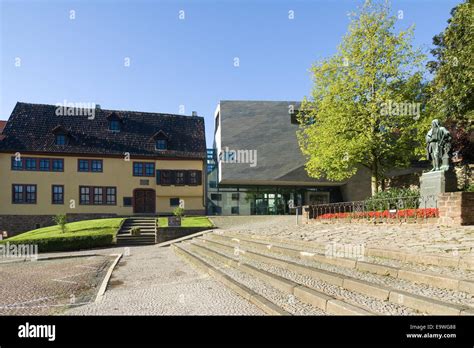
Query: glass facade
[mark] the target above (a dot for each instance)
(261, 200)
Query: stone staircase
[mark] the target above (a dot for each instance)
(287, 277)
(147, 227)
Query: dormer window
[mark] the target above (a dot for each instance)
(61, 135)
(60, 139)
(115, 122)
(161, 144)
(161, 140)
(114, 125)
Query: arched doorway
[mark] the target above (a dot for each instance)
(144, 201)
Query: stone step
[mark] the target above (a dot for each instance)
(149, 230)
(374, 288)
(143, 224)
(135, 241)
(294, 291)
(352, 298)
(143, 235)
(465, 262)
(128, 239)
(285, 303)
(242, 290)
(421, 277)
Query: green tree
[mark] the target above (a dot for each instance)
(452, 88)
(366, 101)
(61, 221)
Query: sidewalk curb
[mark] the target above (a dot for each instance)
(105, 282)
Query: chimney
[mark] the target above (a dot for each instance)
(194, 113)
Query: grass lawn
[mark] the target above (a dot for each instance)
(188, 221)
(73, 229)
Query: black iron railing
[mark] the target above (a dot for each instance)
(403, 209)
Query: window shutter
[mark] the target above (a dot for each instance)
(158, 177)
(199, 177)
(187, 177)
(172, 177)
(165, 177)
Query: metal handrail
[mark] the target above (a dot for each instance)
(402, 209)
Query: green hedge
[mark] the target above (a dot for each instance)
(400, 198)
(67, 243)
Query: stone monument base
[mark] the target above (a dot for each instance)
(434, 183)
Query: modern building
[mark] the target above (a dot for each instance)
(256, 166)
(94, 162)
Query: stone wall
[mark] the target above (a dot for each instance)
(16, 224)
(456, 208)
(165, 234)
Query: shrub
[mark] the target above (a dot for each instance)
(135, 231)
(470, 188)
(178, 212)
(395, 198)
(61, 221)
(68, 243)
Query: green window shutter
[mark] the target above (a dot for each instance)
(158, 177)
(199, 177)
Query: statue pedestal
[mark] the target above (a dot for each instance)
(434, 183)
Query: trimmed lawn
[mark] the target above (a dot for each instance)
(188, 221)
(73, 229)
(79, 235)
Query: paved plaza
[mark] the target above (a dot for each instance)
(152, 280)
(50, 286)
(420, 238)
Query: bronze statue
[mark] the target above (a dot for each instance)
(438, 144)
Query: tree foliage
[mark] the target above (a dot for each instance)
(452, 88)
(346, 123)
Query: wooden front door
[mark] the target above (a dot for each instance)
(144, 201)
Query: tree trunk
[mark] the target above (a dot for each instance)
(374, 180)
(374, 183)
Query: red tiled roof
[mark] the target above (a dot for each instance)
(2, 125)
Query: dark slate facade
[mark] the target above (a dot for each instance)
(267, 127)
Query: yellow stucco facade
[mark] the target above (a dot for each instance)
(117, 172)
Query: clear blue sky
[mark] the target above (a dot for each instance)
(177, 62)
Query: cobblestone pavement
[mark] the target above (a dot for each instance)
(154, 281)
(426, 238)
(50, 286)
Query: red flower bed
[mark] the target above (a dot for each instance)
(405, 213)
